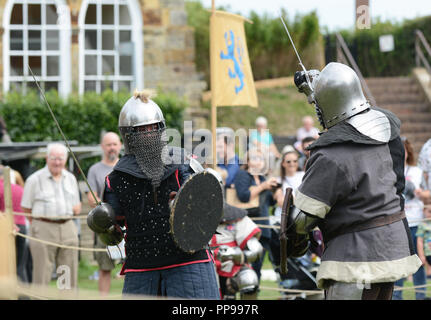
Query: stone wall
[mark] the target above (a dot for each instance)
(169, 49)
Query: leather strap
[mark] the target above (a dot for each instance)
(369, 224)
(284, 224)
(52, 221)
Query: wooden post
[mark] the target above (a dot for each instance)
(8, 277)
(213, 106)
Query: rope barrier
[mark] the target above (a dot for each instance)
(267, 226)
(269, 218)
(56, 244)
(315, 292)
(307, 292)
(49, 217)
(45, 292)
(412, 288)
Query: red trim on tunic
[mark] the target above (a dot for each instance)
(243, 244)
(235, 268)
(178, 180)
(108, 182)
(171, 266)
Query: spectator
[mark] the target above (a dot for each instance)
(423, 236)
(277, 172)
(236, 245)
(20, 243)
(305, 153)
(111, 146)
(261, 139)
(49, 193)
(4, 136)
(414, 213)
(251, 183)
(290, 177)
(15, 176)
(307, 130)
(424, 162)
(226, 158)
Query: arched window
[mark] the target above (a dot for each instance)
(110, 45)
(36, 34)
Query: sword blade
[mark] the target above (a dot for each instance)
(290, 38)
(294, 48)
(64, 137)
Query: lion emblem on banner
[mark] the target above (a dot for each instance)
(234, 45)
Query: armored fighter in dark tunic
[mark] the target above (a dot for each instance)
(352, 190)
(137, 196)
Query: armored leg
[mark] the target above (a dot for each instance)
(248, 283)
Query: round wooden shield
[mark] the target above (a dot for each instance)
(196, 212)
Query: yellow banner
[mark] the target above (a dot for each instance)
(232, 81)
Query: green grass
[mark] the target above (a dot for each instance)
(284, 108)
(86, 270)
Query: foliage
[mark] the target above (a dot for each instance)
(81, 118)
(271, 53)
(364, 45)
(284, 108)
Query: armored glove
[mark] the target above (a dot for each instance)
(253, 251)
(234, 254)
(297, 244)
(102, 221)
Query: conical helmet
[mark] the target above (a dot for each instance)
(139, 111)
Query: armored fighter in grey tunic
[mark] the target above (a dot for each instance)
(352, 187)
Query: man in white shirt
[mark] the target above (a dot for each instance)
(50, 194)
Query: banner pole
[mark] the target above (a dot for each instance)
(213, 106)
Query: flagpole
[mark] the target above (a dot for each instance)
(213, 106)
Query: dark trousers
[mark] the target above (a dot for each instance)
(193, 281)
(379, 291)
(22, 254)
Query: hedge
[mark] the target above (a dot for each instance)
(81, 118)
(364, 45)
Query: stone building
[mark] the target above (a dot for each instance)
(89, 45)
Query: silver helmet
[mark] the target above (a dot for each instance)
(142, 126)
(338, 94)
(138, 111)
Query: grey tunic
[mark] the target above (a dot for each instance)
(346, 183)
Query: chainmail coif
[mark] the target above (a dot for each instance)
(151, 153)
